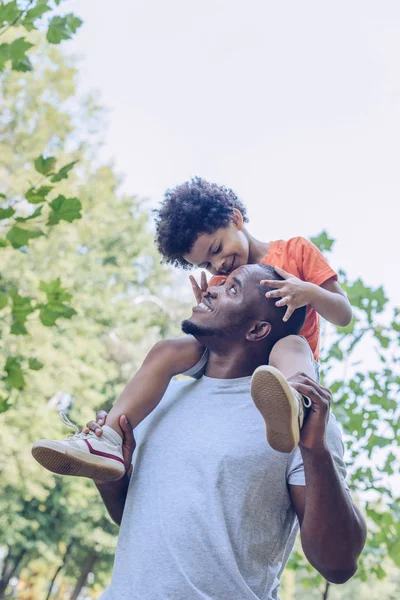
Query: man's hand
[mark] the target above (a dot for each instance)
(128, 445)
(199, 290)
(294, 292)
(312, 435)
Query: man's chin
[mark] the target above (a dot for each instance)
(198, 331)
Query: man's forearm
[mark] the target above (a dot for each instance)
(114, 495)
(332, 530)
(333, 307)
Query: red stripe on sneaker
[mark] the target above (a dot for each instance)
(105, 454)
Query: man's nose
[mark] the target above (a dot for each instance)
(212, 291)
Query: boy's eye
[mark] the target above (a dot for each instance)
(233, 289)
(218, 249)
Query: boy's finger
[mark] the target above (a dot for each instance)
(283, 301)
(274, 294)
(288, 313)
(274, 283)
(204, 281)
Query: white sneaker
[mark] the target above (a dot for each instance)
(282, 407)
(83, 454)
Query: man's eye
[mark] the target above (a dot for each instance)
(233, 289)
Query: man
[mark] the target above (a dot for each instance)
(211, 511)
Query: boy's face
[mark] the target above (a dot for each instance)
(223, 251)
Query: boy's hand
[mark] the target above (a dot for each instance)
(128, 445)
(199, 290)
(294, 292)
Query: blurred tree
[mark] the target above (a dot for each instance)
(29, 205)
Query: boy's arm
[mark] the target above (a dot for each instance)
(328, 299)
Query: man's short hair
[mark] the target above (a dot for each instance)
(189, 210)
(281, 328)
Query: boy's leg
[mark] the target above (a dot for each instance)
(282, 407)
(100, 458)
(145, 390)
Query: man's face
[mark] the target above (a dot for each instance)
(229, 309)
(223, 251)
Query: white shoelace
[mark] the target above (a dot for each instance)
(78, 435)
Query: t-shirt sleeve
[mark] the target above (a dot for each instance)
(295, 468)
(312, 264)
(198, 369)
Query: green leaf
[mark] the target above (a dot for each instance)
(23, 65)
(45, 166)
(21, 308)
(18, 49)
(33, 14)
(15, 377)
(35, 364)
(63, 172)
(8, 12)
(64, 209)
(35, 196)
(4, 55)
(6, 213)
(35, 214)
(3, 243)
(4, 404)
(3, 300)
(323, 242)
(18, 236)
(62, 28)
(55, 307)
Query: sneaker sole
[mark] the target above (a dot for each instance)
(274, 398)
(70, 461)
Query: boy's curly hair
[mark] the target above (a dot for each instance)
(188, 210)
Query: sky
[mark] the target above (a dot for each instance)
(294, 105)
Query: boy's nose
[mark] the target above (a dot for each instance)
(221, 266)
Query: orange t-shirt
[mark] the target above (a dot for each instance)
(301, 258)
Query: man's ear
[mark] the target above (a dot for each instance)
(237, 219)
(259, 331)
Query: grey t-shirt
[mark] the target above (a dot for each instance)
(208, 513)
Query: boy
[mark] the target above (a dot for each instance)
(202, 224)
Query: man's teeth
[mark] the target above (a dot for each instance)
(202, 305)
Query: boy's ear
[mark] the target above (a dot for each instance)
(259, 331)
(237, 219)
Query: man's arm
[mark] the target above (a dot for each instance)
(114, 493)
(332, 529)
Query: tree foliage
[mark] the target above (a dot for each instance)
(360, 364)
(28, 210)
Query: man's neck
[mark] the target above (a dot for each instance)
(257, 249)
(240, 361)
